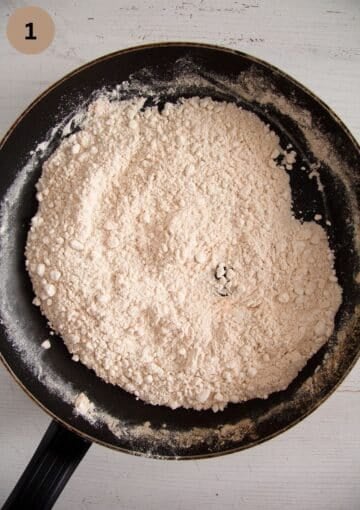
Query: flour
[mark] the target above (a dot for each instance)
(165, 253)
(83, 405)
(46, 344)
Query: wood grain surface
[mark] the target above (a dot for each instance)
(317, 463)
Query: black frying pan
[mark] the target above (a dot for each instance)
(295, 114)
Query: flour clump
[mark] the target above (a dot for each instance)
(165, 253)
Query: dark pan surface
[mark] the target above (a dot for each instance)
(180, 433)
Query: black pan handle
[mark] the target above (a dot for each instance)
(51, 466)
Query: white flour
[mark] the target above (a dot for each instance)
(165, 253)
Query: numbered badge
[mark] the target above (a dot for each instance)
(30, 30)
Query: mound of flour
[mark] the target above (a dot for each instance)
(165, 253)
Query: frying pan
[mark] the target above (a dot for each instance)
(325, 180)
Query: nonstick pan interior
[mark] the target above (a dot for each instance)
(51, 377)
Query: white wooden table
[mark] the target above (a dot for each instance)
(317, 463)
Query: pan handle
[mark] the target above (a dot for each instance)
(51, 466)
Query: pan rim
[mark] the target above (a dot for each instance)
(288, 78)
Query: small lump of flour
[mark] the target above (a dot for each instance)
(46, 344)
(165, 253)
(83, 405)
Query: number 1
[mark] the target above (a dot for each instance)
(30, 35)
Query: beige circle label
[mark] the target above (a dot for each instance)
(30, 30)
